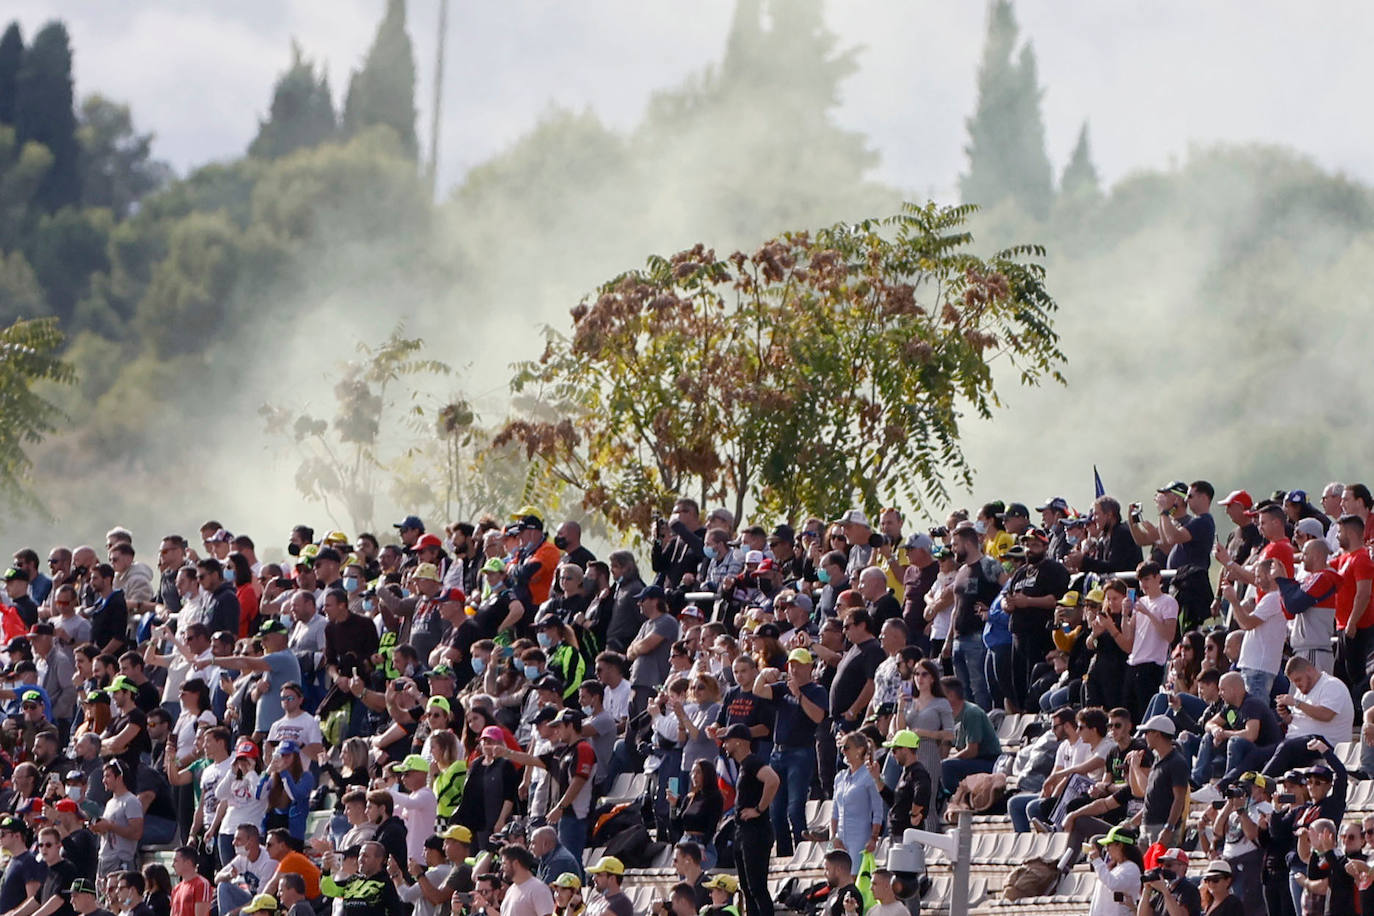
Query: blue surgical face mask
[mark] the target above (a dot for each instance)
(823, 576)
(369, 605)
(405, 593)
(229, 574)
(543, 639)
(980, 526)
(531, 672)
(1073, 539)
(710, 552)
(351, 583)
(586, 710)
(478, 666)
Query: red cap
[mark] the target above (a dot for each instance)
(34, 806)
(246, 748)
(66, 806)
(429, 540)
(766, 565)
(453, 594)
(1240, 497)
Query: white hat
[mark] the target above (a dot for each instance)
(1310, 527)
(1162, 724)
(853, 517)
(753, 556)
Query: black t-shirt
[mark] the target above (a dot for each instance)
(111, 621)
(141, 744)
(81, 848)
(1254, 708)
(1167, 773)
(28, 611)
(1048, 577)
(1116, 759)
(1230, 906)
(1340, 895)
(855, 670)
(147, 697)
(884, 609)
(579, 557)
(973, 585)
(834, 902)
(58, 884)
(1182, 890)
(21, 869)
(748, 787)
(746, 708)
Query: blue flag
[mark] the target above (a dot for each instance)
(1098, 489)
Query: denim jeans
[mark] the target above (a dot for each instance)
(997, 671)
(1159, 705)
(230, 897)
(1016, 809)
(1054, 699)
(794, 766)
(1242, 756)
(572, 833)
(969, 657)
(1257, 682)
(952, 772)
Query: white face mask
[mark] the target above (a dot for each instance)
(74, 793)
(240, 850)
(980, 526)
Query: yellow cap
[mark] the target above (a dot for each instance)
(727, 883)
(607, 865)
(262, 903)
(457, 832)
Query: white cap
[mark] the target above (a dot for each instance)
(753, 556)
(1310, 527)
(853, 517)
(1162, 724)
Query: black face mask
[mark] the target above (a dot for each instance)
(294, 549)
(560, 542)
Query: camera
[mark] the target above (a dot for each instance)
(1236, 792)
(875, 540)
(1285, 798)
(1135, 513)
(80, 571)
(1153, 874)
(938, 533)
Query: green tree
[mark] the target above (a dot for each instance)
(21, 172)
(343, 459)
(186, 301)
(66, 249)
(1006, 148)
(11, 57)
(44, 113)
(302, 112)
(117, 167)
(383, 91)
(29, 355)
(818, 370)
(21, 296)
(1080, 175)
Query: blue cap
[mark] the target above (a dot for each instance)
(288, 747)
(410, 521)
(1058, 503)
(653, 591)
(1297, 496)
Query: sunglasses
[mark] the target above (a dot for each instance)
(1215, 879)
(47, 845)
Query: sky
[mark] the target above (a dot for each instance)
(1151, 78)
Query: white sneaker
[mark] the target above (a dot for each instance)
(1206, 795)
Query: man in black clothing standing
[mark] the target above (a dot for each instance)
(1114, 549)
(853, 685)
(678, 549)
(909, 800)
(754, 791)
(368, 892)
(1032, 595)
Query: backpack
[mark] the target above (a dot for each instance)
(633, 847)
(1033, 878)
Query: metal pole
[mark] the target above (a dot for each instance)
(438, 98)
(958, 892)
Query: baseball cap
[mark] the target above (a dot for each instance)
(527, 511)
(1070, 599)
(567, 879)
(440, 671)
(782, 533)
(920, 541)
(1162, 724)
(410, 521)
(653, 591)
(66, 806)
(768, 631)
(75, 776)
(120, 682)
(457, 832)
(1296, 496)
(427, 571)
(262, 903)
(1310, 527)
(1259, 779)
(1174, 486)
(607, 865)
(738, 730)
(1014, 553)
(414, 763)
(1173, 853)
(494, 733)
(753, 556)
(493, 564)
(1097, 596)
(1035, 534)
(691, 610)
(1016, 510)
(1240, 498)
(32, 808)
(271, 625)
(571, 717)
(905, 738)
(42, 628)
(767, 565)
(853, 517)
(727, 883)
(1320, 772)
(548, 622)
(1058, 503)
(83, 886)
(246, 748)
(439, 703)
(429, 540)
(288, 747)
(1117, 834)
(801, 656)
(1297, 777)
(545, 714)
(31, 696)
(453, 594)
(1076, 521)
(98, 696)
(334, 537)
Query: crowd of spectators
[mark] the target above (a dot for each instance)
(443, 723)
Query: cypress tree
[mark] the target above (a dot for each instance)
(1080, 175)
(302, 113)
(383, 91)
(44, 113)
(1006, 149)
(11, 57)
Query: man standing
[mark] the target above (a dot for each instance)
(1354, 620)
(526, 895)
(121, 827)
(1188, 541)
(853, 685)
(416, 803)
(800, 704)
(1032, 595)
(754, 791)
(23, 874)
(222, 605)
(678, 550)
(1166, 782)
(1150, 623)
(878, 599)
(648, 653)
(368, 891)
(109, 613)
(909, 800)
(1115, 550)
(279, 664)
(979, 580)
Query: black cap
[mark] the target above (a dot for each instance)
(783, 533)
(768, 631)
(738, 730)
(653, 591)
(548, 682)
(571, 717)
(1017, 510)
(545, 714)
(329, 553)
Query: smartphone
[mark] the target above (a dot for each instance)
(1130, 595)
(1285, 798)
(1219, 804)
(672, 785)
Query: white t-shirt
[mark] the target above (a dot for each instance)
(254, 874)
(1334, 695)
(302, 728)
(185, 731)
(418, 810)
(1262, 647)
(1148, 646)
(209, 784)
(177, 671)
(618, 700)
(247, 799)
(939, 627)
(531, 897)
